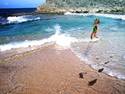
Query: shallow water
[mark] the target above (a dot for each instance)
(71, 31)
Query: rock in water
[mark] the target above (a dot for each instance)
(107, 62)
(111, 56)
(97, 58)
(100, 70)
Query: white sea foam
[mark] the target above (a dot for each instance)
(96, 66)
(114, 16)
(77, 14)
(20, 19)
(63, 40)
(109, 71)
(114, 73)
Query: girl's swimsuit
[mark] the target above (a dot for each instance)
(95, 29)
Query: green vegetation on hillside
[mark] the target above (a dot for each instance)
(83, 6)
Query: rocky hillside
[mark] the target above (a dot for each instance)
(86, 3)
(61, 6)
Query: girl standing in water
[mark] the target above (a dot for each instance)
(95, 29)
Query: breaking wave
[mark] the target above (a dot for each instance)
(114, 16)
(58, 38)
(20, 19)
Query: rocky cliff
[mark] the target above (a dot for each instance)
(83, 6)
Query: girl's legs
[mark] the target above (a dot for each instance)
(95, 35)
(92, 35)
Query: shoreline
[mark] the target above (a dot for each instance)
(57, 66)
(17, 52)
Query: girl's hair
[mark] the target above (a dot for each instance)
(97, 21)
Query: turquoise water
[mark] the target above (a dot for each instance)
(71, 31)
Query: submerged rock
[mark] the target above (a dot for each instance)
(107, 62)
(100, 70)
(111, 56)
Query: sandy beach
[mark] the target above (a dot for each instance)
(51, 70)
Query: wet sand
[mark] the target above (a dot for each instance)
(49, 70)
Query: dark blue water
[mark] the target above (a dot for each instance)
(12, 11)
(71, 32)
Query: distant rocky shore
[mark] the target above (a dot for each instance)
(56, 10)
(83, 6)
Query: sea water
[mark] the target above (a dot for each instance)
(70, 31)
